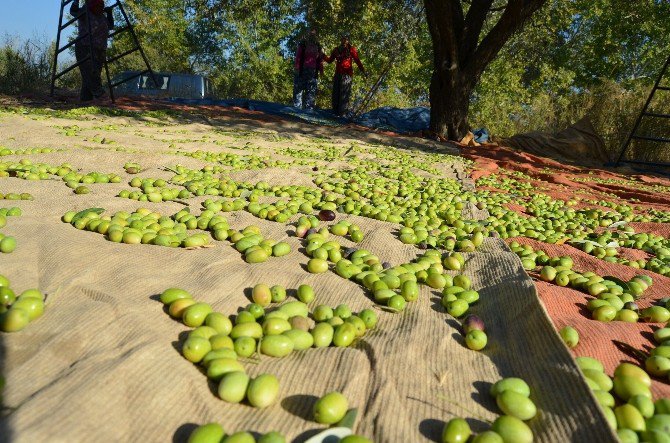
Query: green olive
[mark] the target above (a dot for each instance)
(605, 313)
(195, 349)
(323, 335)
(7, 244)
(548, 273)
(488, 437)
(627, 436)
(322, 313)
(172, 294)
(277, 294)
(305, 293)
(217, 368)
(409, 290)
(436, 281)
(194, 315)
(517, 405)
(631, 370)
(271, 437)
(294, 309)
(209, 433)
(604, 398)
(653, 314)
(589, 363)
(344, 335)
(657, 365)
(512, 383)
(250, 329)
(330, 408)
(239, 437)
(263, 390)
(276, 345)
(256, 256)
(369, 317)
(300, 323)
(457, 308)
(358, 323)
(219, 322)
(280, 249)
(301, 339)
(33, 306)
(476, 340)
(317, 266)
(14, 320)
(245, 346)
(456, 430)
(203, 331)
(570, 336)
(397, 302)
(275, 326)
(643, 404)
(512, 430)
(626, 387)
(216, 354)
(659, 422)
(7, 296)
(627, 416)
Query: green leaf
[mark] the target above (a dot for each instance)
(349, 419)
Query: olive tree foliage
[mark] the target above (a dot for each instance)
(575, 58)
(571, 58)
(247, 46)
(165, 30)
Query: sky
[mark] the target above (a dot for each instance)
(28, 19)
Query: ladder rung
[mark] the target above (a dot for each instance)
(69, 22)
(123, 54)
(127, 79)
(655, 114)
(118, 31)
(653, 139)
(73, 42)
(65, 71)
(663, 88)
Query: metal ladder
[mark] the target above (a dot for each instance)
(646, 114)
(55, 75)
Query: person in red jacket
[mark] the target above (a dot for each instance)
(345, 56)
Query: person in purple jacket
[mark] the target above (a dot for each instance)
(309, 58)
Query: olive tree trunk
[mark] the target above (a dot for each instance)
(461, 53)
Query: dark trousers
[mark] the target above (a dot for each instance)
(341, 93)
(91, 71)
(305, 85)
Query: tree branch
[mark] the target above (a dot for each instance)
(515, 15)
(474, 22)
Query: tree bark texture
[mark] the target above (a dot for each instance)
(461, 54)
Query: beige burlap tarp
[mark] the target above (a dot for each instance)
(104, 364)
(580, 142)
